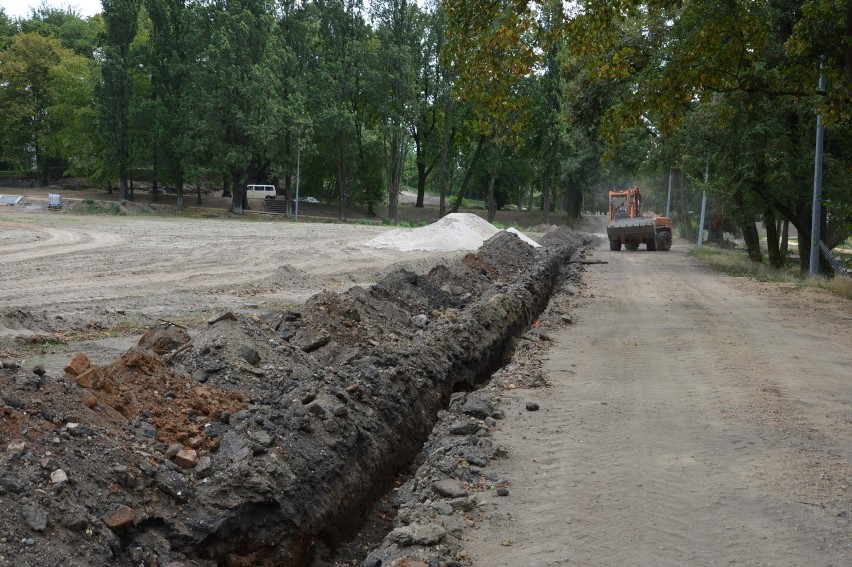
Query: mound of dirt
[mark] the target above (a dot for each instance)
(267, 435)
(456, 231)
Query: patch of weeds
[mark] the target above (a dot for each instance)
(736, 263)
(369, 222)
(39, 345)
(403, 223)
(124, 328)
(92, 207)
(840, 285)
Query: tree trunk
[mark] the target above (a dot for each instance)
(288, 177)
(776, 260)
(341, 178)
(179, 186)
(420, 158)
(226, 185)
(469, 174)
(422, 174)
(155, 174)
(752, 241)
(238, 193)
(574, 207)
(445, 160)
(785, 233)
(492, 203)
(394, 174)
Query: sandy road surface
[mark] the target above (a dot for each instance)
(693, 419)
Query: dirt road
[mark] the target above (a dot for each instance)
(692, 419)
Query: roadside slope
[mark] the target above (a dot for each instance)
(692, 419)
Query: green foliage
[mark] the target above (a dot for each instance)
(28, 75)
(92, 207)
(65, 24)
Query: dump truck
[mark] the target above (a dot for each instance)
(628, 227)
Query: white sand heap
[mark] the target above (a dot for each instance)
(456, 231)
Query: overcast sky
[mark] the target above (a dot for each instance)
(17, 8)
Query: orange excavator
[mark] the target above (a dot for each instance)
(627, 226)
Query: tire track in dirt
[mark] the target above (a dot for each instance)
(166, 265)
(50, 241)
(677, 431)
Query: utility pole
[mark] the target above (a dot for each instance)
(669, 197)
(703, 205)
(817, 204)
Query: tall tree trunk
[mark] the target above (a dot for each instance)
(420, 158)
(785, 233)
(776, 260)
(394, 174)
(752, 241)
(238, 193)
(288, 176)
(179, 186)
(422, 174)
(155, 174)
(469, 174)
(227, 185)
(341, 178)
(492, 202)
(445, 160)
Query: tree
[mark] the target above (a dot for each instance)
(27, 91)
(399, 34)
(169, 60)
(236, 114)
(336, 91)
(489, 49)
(65, 24)
(73, 116)
(431, 106)
(8, 29)
(115, 89)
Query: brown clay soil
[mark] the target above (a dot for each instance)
(689, 418)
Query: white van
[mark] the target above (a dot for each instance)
(260, 191)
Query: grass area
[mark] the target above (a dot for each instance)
(92, 207)
(735, 262)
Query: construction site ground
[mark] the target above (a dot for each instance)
(683, 417)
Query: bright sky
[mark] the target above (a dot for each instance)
(18, 8)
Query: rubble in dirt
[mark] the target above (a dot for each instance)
(264, 438)
(21, 327)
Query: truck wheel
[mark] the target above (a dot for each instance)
(651, 243)
(631, 245)
(664, 240)
(615, 245)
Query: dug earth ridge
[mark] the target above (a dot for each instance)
(263, 438)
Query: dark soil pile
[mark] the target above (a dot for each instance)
(265, 438)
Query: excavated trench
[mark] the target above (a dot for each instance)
(385, 361)
(299, 420)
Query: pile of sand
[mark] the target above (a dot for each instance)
(456, 231)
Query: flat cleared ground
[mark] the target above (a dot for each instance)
(693, 419)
